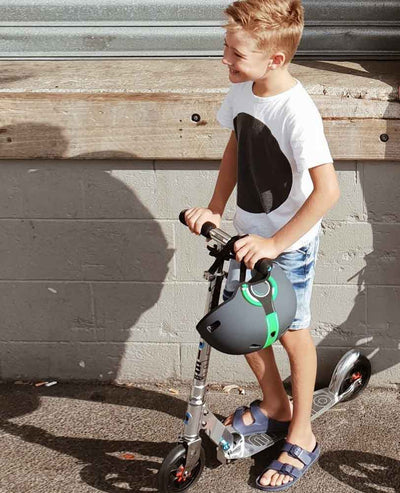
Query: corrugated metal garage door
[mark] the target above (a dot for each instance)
(343, 29)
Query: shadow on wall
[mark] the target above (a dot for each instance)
(81, 260)
(374, 321)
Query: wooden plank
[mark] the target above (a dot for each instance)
(143, 127)
(361, 139)
(115, 109)
(366, 80)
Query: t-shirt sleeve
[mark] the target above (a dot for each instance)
(225, 112)
(307, 139)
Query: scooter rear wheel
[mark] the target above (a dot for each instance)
(360, 370)
(170, 476)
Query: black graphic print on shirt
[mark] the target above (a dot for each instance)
(264, 176)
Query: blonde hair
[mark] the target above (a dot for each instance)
(276, 25)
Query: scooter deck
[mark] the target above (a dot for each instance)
(323, 400)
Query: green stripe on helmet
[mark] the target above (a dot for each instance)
(274, 287)
(249, 297)
(272, 323)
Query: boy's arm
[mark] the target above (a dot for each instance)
(322, 198)
(226, 182)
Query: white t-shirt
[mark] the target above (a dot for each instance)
(279, 138)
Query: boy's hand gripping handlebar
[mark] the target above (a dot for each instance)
(211, 232)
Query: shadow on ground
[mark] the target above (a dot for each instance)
(362, 471)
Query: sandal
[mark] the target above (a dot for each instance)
(261, 424)
(307, 458)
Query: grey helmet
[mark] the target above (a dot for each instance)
(256, 315)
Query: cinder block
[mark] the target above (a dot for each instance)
(343, 252)
(234, 369)
(46, 312)
(385, 366)
(128, 250)
(52, 190)
(36, 249)
(383, 316)
(192, 256)
(338, 315)
(359, 253)
(141, 190)
(383, 263)
(66, 361)
(382, 194)
(86, 361)
(191, 304)
(89, 361)
(120, 190)
(146, 361)
(25, 360)
(149, 312)
(184, 185)
(350, 206)
(227, 368)
(128, 311)
(102, 250)
(146, 268)
(11, 195)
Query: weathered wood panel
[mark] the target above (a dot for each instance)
(75, 112)
(364, 80)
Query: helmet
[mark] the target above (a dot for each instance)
(256, 315)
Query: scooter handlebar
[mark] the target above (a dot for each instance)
(263, 266)
(205, 229)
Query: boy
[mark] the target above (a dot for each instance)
(278, 156)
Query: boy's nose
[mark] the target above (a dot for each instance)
(225, 61)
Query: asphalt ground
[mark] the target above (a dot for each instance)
(85, 438)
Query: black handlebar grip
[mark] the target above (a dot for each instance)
(206, 228)
(182, 217)
(263, 266)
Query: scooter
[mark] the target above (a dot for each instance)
(184, 464)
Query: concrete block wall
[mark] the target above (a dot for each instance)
(99, 281)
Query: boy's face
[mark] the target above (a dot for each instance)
(244, 60)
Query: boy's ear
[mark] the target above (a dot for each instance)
(277, 60)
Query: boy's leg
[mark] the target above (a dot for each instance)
(275, 403)
(303, 364)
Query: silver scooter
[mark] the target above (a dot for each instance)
(184, 464)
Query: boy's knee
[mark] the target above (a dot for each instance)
(293, 340)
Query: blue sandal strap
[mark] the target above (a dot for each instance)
(286, 469)
(259, 425)
(256, 412)
(299, 453)
(237, 421)
(272, 425)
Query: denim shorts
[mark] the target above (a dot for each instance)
(299, 267)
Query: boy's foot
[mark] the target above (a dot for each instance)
(271, 477)
(248, 419)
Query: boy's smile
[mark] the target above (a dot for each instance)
(244, 60)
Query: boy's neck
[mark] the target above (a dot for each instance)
(273, 83)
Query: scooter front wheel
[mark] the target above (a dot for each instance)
(361, 370)
(171, 477)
